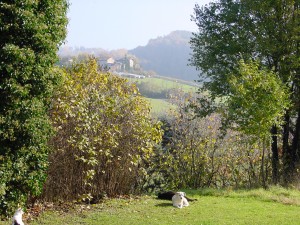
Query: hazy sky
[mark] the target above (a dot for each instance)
(114, 24)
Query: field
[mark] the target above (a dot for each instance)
(169, 83)
(159, 106)
(275, 206)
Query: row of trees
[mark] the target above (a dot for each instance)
(248, 51)
(153, 90)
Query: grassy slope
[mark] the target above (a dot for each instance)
(161, 106)
(168, 83)
(277, 206)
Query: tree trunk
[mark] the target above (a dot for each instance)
(275, 157)
(295, 146)
(287, 156)
(263, 178)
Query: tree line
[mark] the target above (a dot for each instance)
(249, 54)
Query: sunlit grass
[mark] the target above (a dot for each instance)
(168, 83)
(272, 194)
(161, 107)
(259, 206)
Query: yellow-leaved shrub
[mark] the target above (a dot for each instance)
(104, 135)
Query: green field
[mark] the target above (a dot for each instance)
(276, 206)
(160, 107)
(168, 83)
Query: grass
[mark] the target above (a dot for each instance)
(159, 106)
(167, 83)
(275, 206)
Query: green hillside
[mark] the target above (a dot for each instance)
(156, 90)
(159, 107)
(168, 56)
(165, 83)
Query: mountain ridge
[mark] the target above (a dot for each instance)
(168, 55)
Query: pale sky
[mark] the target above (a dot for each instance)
(115, 24)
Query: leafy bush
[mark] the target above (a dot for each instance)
(197, 154)
(104, 135)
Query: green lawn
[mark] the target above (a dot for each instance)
(277, 206)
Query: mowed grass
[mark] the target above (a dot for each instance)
(276, 206)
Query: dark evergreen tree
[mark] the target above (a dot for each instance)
(30, 34)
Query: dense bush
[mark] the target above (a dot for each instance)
(104, 136)
(30, 34)
(196, 153)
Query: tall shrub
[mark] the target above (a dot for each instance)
(30, 33)
(196, 153)
(104, 135)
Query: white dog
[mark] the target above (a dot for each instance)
(179, 200)
(17, 218)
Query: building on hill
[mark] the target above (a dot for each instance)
(127, 64)
(110, 61)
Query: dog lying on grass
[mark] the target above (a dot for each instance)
(168, 195)
(179, 200)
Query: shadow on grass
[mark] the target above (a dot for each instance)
(163, 204)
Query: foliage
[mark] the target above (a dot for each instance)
(266, 32)
(30, 34)
(195, 153)
(257, 100)
(150, 90)
(104, 138)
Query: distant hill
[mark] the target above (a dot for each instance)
(168, 56)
